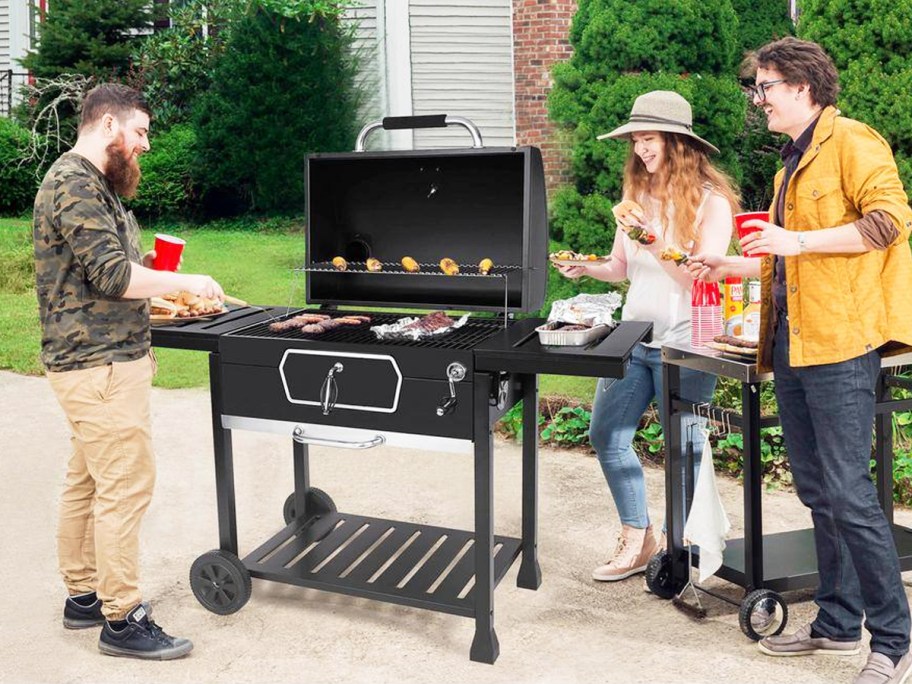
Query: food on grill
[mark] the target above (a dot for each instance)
(736, 341)
(410, 264)
(297, 322)
(630, 217)
(672, 253)
(316, 324)
(485, 266)
(374, 265)
(431, 322)
(339, 263)
(449, 266)
(410, 328)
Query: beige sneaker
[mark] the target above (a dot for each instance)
(880, 670)
(634, 549)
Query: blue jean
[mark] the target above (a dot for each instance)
(619, 404)
(827, 415)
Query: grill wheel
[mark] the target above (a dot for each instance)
(318, 503)
(220, 582)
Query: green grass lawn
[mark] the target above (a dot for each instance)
(254, 266)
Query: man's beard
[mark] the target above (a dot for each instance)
(122, 171)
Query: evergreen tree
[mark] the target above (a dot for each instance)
(284, 87)
(90, 37)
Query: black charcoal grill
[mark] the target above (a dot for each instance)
(344, 388)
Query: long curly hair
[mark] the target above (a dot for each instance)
(680, 181)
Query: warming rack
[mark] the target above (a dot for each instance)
(427, 270)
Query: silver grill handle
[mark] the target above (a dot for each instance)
(299, 436)
(329, 392)
(398, 123)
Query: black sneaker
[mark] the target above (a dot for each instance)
(138, 637)
(82, 611)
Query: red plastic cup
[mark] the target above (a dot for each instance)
(167, 252)
(742, 231)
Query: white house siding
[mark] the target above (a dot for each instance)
(462, 64)
(451, 57)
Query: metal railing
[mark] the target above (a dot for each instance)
(10, 81)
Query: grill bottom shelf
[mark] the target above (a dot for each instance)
(398, 562)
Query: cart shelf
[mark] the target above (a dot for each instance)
(352, 554)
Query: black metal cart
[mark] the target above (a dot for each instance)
(763, 564)
(345, 389)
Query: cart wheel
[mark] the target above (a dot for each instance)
(318, 501)
(658, 576)
(763, 613)
(220, 582)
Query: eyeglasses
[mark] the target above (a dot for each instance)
(759, 89)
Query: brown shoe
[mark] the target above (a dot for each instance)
(880, 670)
(634, 549)
(801, 643)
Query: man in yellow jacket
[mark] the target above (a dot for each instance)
(835, 298)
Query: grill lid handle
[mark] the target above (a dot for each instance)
(398, 123)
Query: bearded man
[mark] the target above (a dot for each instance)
(93, 286)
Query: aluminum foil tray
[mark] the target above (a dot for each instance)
(559, 338)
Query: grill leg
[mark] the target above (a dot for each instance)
(529, 576)
(484, 646)
(301, 479)
(224, 463)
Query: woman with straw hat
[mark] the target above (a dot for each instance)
(683, 201)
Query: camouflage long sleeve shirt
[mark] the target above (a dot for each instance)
(84, 243)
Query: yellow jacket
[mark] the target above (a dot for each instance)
(842, 305)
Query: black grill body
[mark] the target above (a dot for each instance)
(345, 388)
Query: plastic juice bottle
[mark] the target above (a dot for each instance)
(752, 310)
(733, 311)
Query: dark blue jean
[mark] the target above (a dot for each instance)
(827, 414)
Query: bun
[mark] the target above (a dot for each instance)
(628, 213)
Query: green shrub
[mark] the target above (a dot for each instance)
(285, 87)
(173, 67)
(854, 30)
(616, 36)
(167, 187)
(18, 180)
(760, 21)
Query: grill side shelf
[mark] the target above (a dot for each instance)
(204, 335)
(518, 350)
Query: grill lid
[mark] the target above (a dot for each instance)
(466, 205)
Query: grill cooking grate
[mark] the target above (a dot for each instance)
(472, 333)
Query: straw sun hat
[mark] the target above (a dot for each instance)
(660, 110)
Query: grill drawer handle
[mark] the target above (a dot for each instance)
(329, 392)
(299, 436)
(456, 372)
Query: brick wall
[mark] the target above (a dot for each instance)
(540, 38)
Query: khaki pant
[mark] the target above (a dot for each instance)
(109, 480)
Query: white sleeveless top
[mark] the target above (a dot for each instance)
(653, 294)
